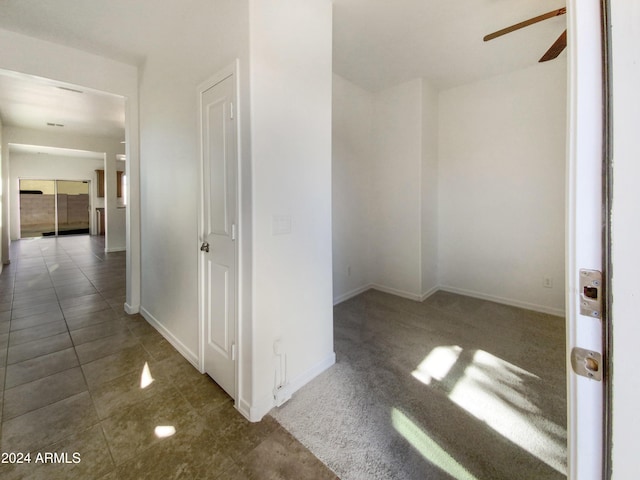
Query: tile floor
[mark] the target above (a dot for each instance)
(73, 379)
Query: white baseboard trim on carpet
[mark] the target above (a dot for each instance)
(353, 293)
(357, 291)
(428, 293)
(285, 393)
(396, 292)
(261, 408)
(265, 404)
(461, 291)
(171, 338)
(505, 301)
(131, 309)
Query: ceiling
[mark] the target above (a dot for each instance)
(377, 44)
(32, 102)
(381, 43)
(63, 152)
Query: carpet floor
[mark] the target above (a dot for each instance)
(450, 388)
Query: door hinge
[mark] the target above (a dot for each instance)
(231, 110)
(233, 352)
(590, 293)
(233, 232)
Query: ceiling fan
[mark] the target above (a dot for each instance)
(558, 46)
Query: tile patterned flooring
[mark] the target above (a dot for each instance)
(71, 367)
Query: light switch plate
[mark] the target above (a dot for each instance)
(281, 224)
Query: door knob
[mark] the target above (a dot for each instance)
(204, 247)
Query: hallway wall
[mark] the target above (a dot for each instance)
(291, 58)
(284, 53)
(625, 238)
(211, 37)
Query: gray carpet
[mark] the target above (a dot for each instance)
(451, 388)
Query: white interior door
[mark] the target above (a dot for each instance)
(584, 247)
(218, 231)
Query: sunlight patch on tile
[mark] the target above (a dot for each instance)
(437, 364)
(428, 447)
(164, 431)
(145, 378)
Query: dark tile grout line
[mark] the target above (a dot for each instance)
(111, 307)
(137, 337)
(6, 353)
(86, 383)
(13, 276)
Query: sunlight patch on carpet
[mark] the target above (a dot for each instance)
(428, 447)
(437, 364)
(496, 393)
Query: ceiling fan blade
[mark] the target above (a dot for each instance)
(526, 23)
(556, 49)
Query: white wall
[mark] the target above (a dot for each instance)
(385, 177)
(396, 189)
(291, 150)
(45, 167)
(501, 184)
(625, 18)
(351, 185)
(429, 191)
(466, 188)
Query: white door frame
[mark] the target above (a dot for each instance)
(229, 70)
(586, 240)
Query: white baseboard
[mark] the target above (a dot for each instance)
(255, 412)
(505, 301)
(353, 293)
(461, 291)
(131, 309)
(428, 293)
(261, 408)
(305, 377)
(172, 339)
(396, 292)
(115, 249)
(245, 409)
(357, 291)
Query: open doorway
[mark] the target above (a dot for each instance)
(54, 207)
(449, 190)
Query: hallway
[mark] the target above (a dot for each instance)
(80, 377)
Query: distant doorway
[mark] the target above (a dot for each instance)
(54, 207)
